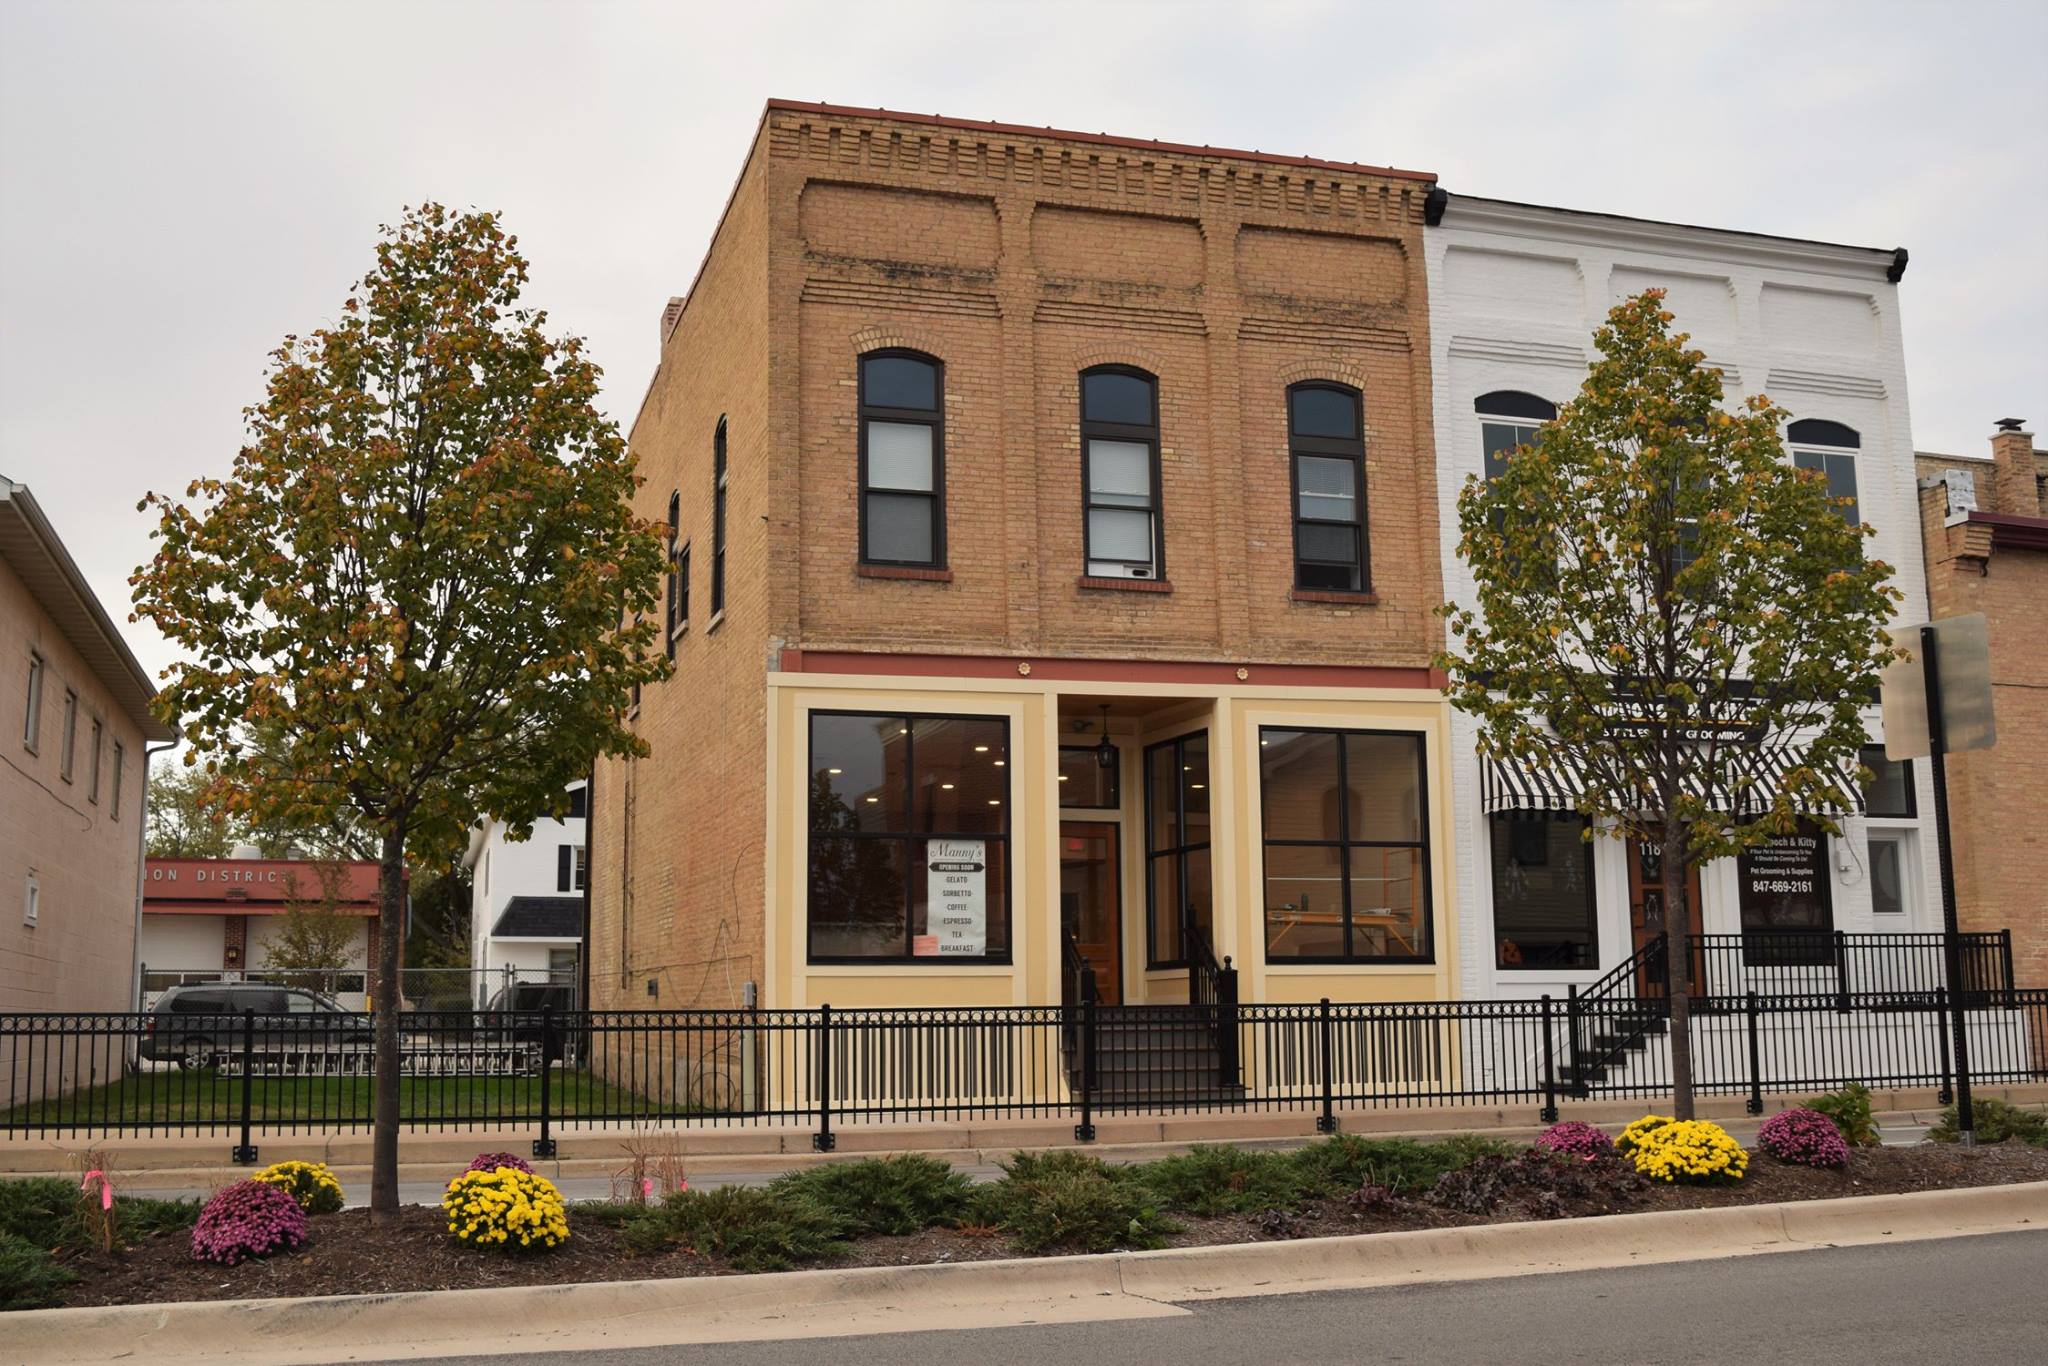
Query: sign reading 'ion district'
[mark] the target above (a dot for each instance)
(957, 882)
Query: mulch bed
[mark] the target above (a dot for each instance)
(345, 1255)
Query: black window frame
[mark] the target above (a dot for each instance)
(1300, 446)
(96, 750)
(1178, 851)
(1094, 429)
(1865, 756)
(1592, 896)
(114, 801)
(1426, 920)
(910, 836)
(1828, 445)
(934, 418)
(718, 486)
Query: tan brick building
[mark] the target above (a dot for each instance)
(978, 439)
(75, 709)
(1985, 529)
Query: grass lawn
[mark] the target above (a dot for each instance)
(171, 1097)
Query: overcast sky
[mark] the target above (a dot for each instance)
(181, 184)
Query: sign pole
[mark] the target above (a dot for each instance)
(1937, 747)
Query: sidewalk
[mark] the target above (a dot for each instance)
(588, 1155)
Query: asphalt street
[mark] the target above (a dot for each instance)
(1979, 1299)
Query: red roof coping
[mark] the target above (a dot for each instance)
(254, 882)
(1101, 139)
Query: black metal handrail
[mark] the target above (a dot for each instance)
(1212, 988)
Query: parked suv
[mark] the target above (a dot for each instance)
(514, 1015)
(191, 1024)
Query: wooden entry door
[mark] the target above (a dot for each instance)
(1648, 898)
(1091, 904)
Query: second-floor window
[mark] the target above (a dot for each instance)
(92, 787)
(902, 460)
(1326, 437)
(1122, 533)
(67, 754)
(572, 868)
(1509, 418)
(1829, 448)
(718, 521)
(32, 717)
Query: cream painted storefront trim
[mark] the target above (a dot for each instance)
(1232, 716)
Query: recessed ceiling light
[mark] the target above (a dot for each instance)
(1063, 777)
(1195, 786)
(995, 801)
(835, 772)
(945, 787)
(873, 800)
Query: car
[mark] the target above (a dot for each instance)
(193, 1024)
(514, 1012)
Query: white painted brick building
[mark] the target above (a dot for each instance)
(1516, 292)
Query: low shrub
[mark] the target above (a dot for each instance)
(312, 1184)
(30, 1278)
(490, 1162)
(1575, 1139)
(884, 1195)
(1804, 1138)
(43, 1211)
(1342, 1163)
(1996, 1122)
(755, 1228)
(144, 1216)
(1849, 1111)
(1071, 1202)
(1280, 1223)
(505, 1208)
(247, 1219)
(1222, 1180)
(1537, 1183)
(1695, 1151)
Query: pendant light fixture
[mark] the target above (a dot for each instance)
(1105, 752)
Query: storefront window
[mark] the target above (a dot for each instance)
(1346, 852)
(1177, 887)
(909, 831)
(1543, 908)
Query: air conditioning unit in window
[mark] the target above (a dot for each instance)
(1116, 569)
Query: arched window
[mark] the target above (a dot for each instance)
(902, 460)
(1326, 441)
(1829, 449)
(717, 521)
(1509, 418)
(1122, 533)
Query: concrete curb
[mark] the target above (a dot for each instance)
(865, 1300)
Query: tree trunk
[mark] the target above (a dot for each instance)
(1677, 966)
(387, 1001)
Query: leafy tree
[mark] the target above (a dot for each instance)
(182, 821)
(414, 579)
(1672, 614)
(313, 936)
(440, 918)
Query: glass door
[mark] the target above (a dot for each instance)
(1648, 898)
(1091, 907)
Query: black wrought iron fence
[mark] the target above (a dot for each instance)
(248, 1074)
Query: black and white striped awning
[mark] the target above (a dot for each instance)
(1555, 786)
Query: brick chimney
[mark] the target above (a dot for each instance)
(2012, 456)
(670, 316)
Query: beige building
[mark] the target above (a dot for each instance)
(1054, 530)
(74, 729)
